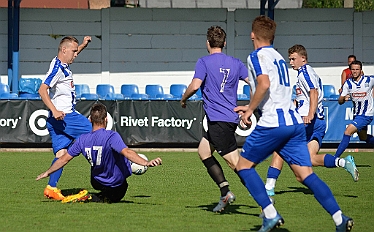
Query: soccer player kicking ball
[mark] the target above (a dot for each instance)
(64, 123)
(108, 156)
(280, 129)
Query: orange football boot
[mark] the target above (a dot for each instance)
(53, 193)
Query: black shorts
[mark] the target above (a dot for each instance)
(109, 193)
(222, 136)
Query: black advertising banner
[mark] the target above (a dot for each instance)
(13, 121)
(37, 114)
(141, 122)
(138, 122)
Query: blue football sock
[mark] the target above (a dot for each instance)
(343, 145)
(329, 161)
(273, 173)
(54, 177)
(255, 186)
(322, 193)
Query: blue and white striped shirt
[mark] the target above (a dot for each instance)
(277, 108)
(361, 93)
(308, 79)
(62, 91)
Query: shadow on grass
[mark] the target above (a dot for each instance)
(295, 190)
(305, 191)
(231, 209)
(67, 192)
(363, 165)
(256, 228)
(72, 191)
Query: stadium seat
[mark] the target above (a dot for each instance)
(242, 96)
(128, 89)
(328, 92)
(80, 89)
(165, 96)
(29, 85)
(293, 92)
(4, 88)
(103, 89)
(197, 96)
(139, 96)
(153, 90)
(8, 96)
(114, 96)
(29, 96)
(177, 90)
(246, 90)
(89, 96)
(334, 97)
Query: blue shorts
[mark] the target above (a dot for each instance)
(315, 130)
(288, 141)
(361, 122)
(64, 132)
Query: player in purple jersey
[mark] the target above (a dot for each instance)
(280, 129)
(57, 92)
(359, 88)
(218, 75)
(309, 105)
(108, 156)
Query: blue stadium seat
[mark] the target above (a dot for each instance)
(328, 91)
(242, 97)
(197, 96)
(334, 97)
(80, 89)
(128, 89)
(29, 96)
(165, 96)
(4, 88)
(139, 96)
(114, 96)
(89, 96)
(246, 91)
(8, 96)
(103, 89)
(5, 92)
(29, 85)
(153, 90)
(293, 92)
(177, 90)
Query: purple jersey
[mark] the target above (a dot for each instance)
(102, 149)
(220, 74)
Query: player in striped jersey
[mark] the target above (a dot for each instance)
(309, 96)
(359, 89)
(57, 91)
(280, 129)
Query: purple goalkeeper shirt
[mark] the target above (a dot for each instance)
(220, 74)
(102, 149)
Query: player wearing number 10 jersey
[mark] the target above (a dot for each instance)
(280, 129)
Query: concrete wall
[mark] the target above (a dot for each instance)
(160, 46)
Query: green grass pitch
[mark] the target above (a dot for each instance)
(177, 196)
